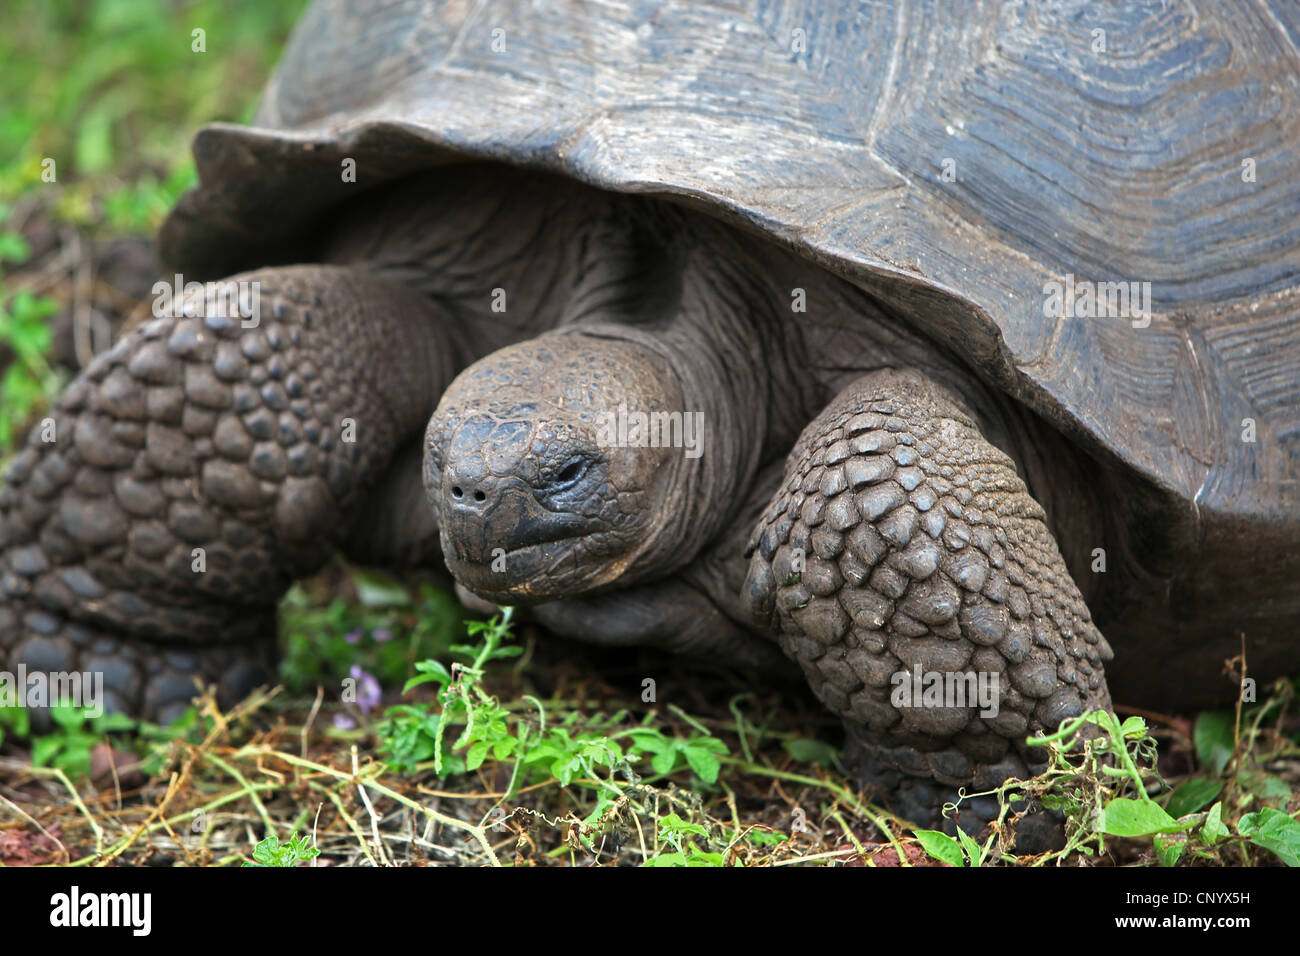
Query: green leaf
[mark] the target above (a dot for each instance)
(703, 763)
(266, 853)
(69, 718)
(111, 723)
(476, 755)
(711, 744)
(973, 852)
(1267, 787)
(14, 248)
(563, 770)
(673, 825)
(1192, 795)
(44, 749)
(1214, 739)
(31, 311)
(1214, 830)
(1134, 727)
(598, 811)
(941, 846)
(75, 756)
(652, 741)
(664, 761)
(17, 718)
(806, 750)
(428, 671)
(1127, 818)
(271, 852)
(1169, 847)
(1273, 830)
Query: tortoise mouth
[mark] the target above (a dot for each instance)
(539, 571)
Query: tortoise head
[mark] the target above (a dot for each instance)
(537, 490)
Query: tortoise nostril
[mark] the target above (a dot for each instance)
(464, 493)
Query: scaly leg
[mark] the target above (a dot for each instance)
(199, 467)
(903, 545)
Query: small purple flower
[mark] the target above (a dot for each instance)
(381, 635)
(368, 690)
(352, 636)
(344, 722)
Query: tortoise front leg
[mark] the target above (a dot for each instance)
(190, 474)
(902, 544)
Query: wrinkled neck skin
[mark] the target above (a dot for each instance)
(710, 314)
(495, 246)
(758, 371)
(705, 480)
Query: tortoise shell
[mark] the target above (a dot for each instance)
(990, 171)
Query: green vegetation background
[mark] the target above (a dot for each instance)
(112, 92)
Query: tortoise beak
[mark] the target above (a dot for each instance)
(485, 517)
(504, 539)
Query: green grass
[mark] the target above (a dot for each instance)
(658, 787)
(113, 90)
(70, 744)
(382, 629)
(605, 762)
(28, 384)
(98, 103)
(271, 852)
(468, 726)
(1103, 777)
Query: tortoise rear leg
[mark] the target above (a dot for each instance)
(903, 545)
(190, 474)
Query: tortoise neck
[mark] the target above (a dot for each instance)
(715, 455)
(715, 320)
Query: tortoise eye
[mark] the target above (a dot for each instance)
(570, 472)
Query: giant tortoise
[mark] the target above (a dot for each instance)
(898, 340)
